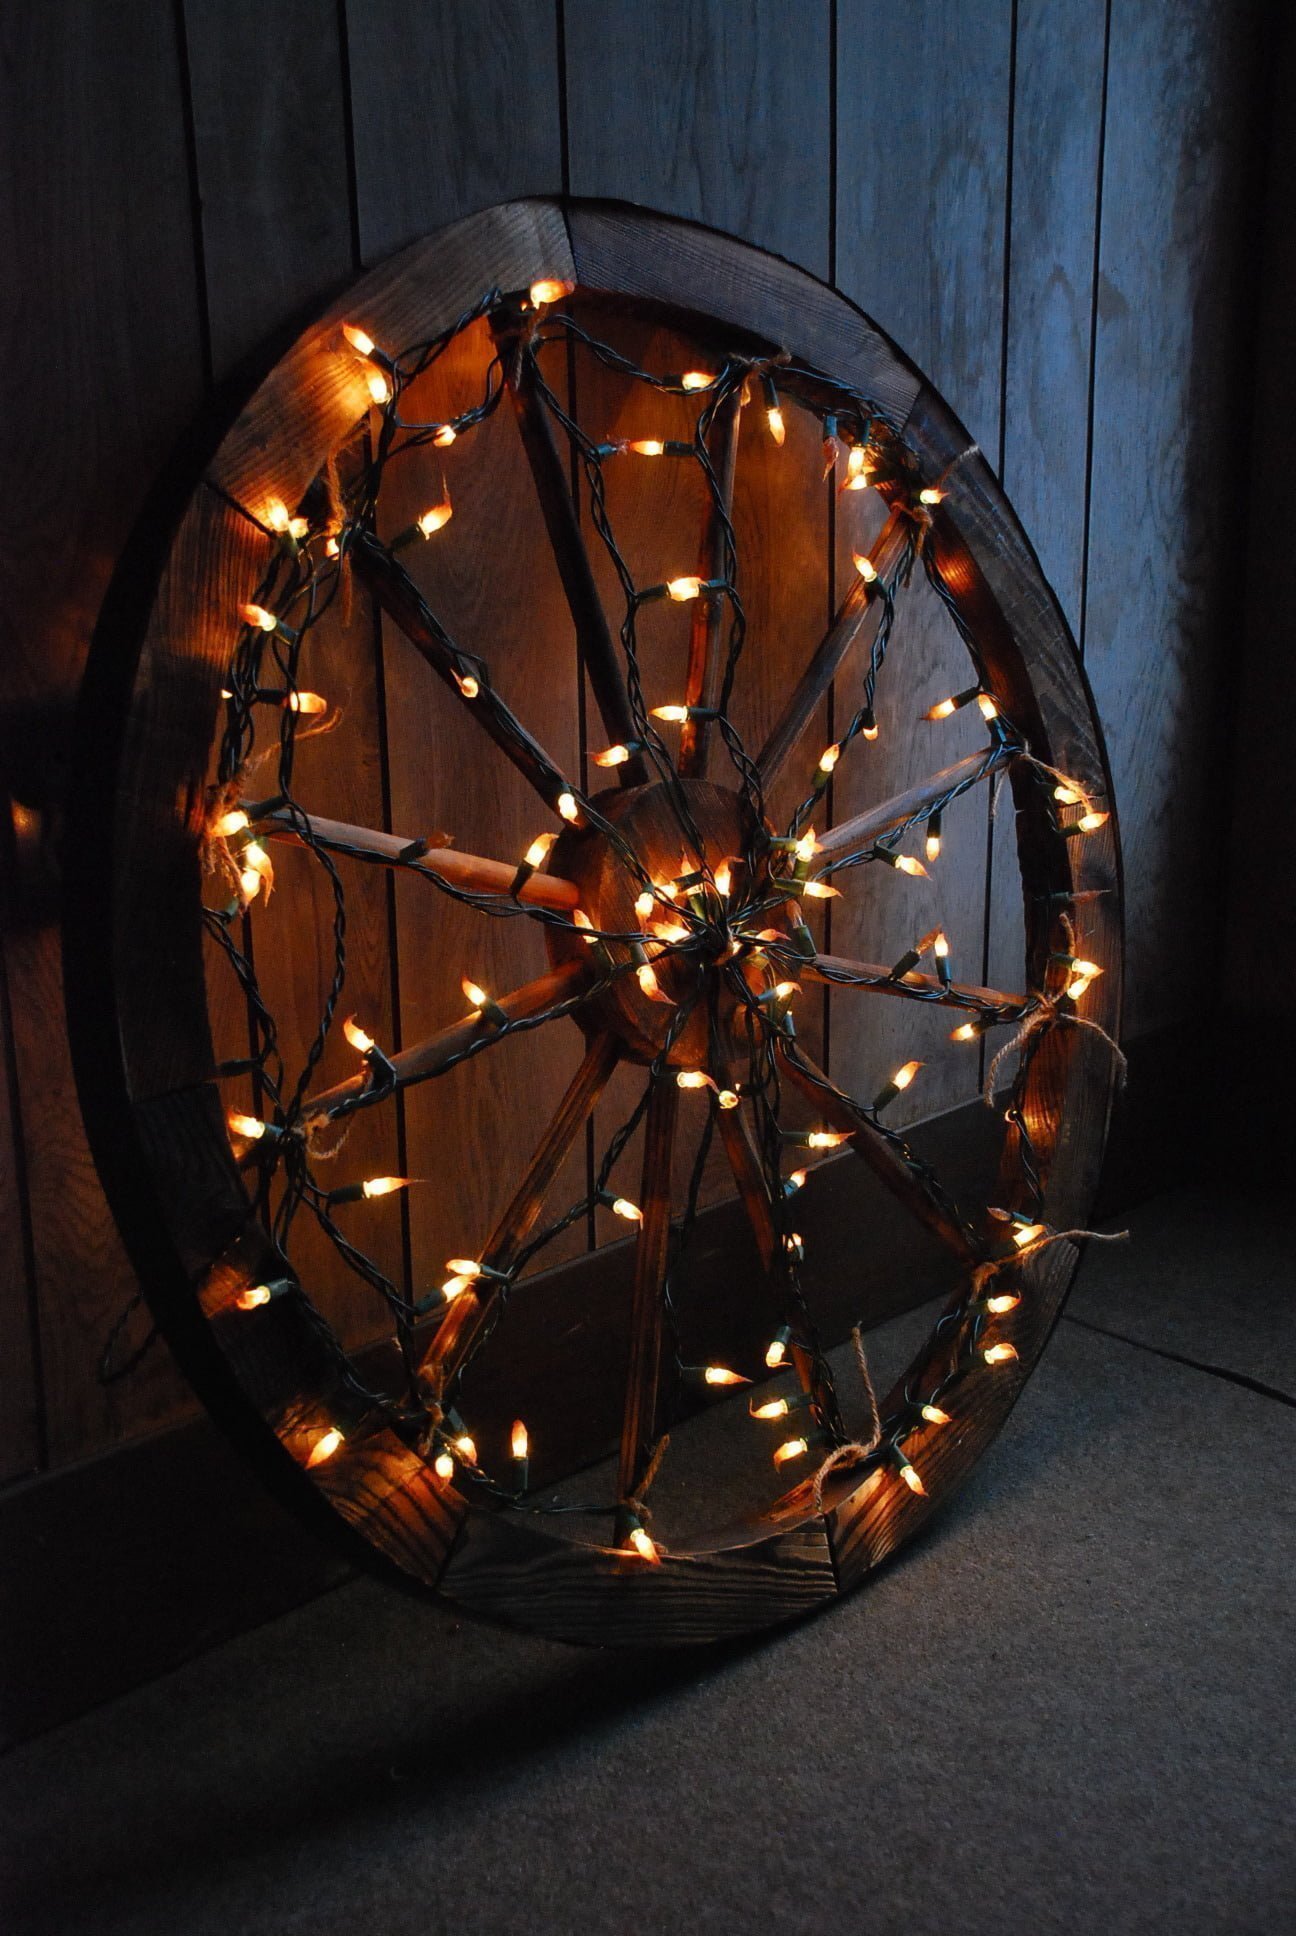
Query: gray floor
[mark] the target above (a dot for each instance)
(1068, 1708)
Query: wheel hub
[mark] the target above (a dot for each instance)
(691, 937)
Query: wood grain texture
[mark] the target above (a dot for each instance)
(453, 107)
(1056, 145)
(1170, 383)
(598, 1597)
(728, 125)
(101, 314)
(271, 159)
(920, 244)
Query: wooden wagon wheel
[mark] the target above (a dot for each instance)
(676, 905)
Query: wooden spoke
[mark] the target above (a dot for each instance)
(468, 871)
(884, 1160)
(857, 621)
(708, 613)
(403, 603)
(840, 973)
(639, 1420)
(593, 636)
(744, 1161)
(914, 804)
(463, 1322)
(559, 989)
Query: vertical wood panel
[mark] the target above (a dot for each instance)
(1057, 142)
(266, 92)
(453, 107)
(706, 110)
(922, 120)
(1169, 396)
(272, 167)
(101, 367)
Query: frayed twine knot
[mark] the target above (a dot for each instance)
(855, 1449)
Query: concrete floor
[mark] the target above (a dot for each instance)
(1067, 1708)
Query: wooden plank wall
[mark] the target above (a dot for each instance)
(1046, 205)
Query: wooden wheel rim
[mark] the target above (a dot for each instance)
(139, 1019)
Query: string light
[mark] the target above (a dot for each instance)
(934, 1415)
(791, 1449)
(360, 1039)
(549, 289)
(624, 1208)
(359, 339)
(1002, 1302)
(777, 1349)
(931, 496)
(444, 1466)
(727, 1098)
(567, 807)
(903, 863)
(467, 684)
(903, 1076)
(250, 1128)
(721, 1375)
(696, 380)
(383, 1186)
(616, 755)
(999, 1354)
(864, 565)
(912, 1478)
(933, 846)
(325, 1446)
(379, 388)
(466, 1447)
(520, 1447)
(486, 1005)
(820, 891)
(309, 704)
(682, 589)
(945, 708)
(769, 1408)
(231, 823)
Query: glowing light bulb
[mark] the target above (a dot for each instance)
(940, 946)
(443, 1465)
(965, 1032)
(1026, 1233)
(644, 904)
(770, 1408)
(866, 568)
(475, 992)
(253, 1298)
(905, 1074)
(332, 549)
(538, 851)
(857, 462)
(383, 1186)
(378, 387)
(943, 709)
(360, 1039)
(721, 1375)
(549, 289)
(231, 823)
(676, 715)
(466, 1447)
(455, 1287)
(820, 891)
(692, 1079)
(646, 446)
(999, 1354)
(829, 758)
(807, 847)
(325, 1446)
(870, 729)
(648, 982)
(791, 1449)
(931, 496)
(1089, 823)
(277, 516)
(464, 1267)
(670, 931)
(258, 615)
(437, 518)
(724, 878)
(1003, 1302)
(912, 1478)
(445, 436)
(567, 807)
(794, 1244)
(696, 380)
(622, 1207)
(933, 846)
(777, 427)
(797, 1179)
(519, 1443)
(906, 864)
(306, 703)
(934, 1415)
(641, 1543)
(469, 687)
(726, 1098)
(824, 1139)
(1069, 795)
(986, 706)
(251, 1128)
(775, 1353)
(682, 589)
(612, 756)
(359, 339)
